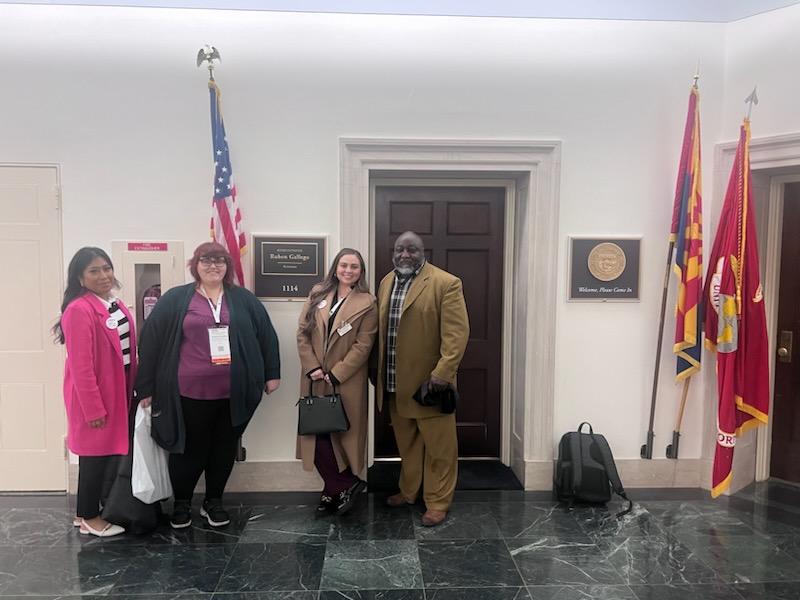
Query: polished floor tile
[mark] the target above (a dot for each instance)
(581, 592)
(188, 569)
(685, 592)
(38, 570)
(464, 521)
(534, 520)
(657, 559)
(604, 523)
(371, 519)
(372, 595)
(743, 559)
(486, 593)
(273, 567)
(273, 524)
(674, 545)
(571, 566)
(35, 526)
(467, 563)
(371, 565)
(769, 591)
(264, 596)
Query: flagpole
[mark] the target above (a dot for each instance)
(750, 100)
(208, 54)
(672, 449)
(647, 448)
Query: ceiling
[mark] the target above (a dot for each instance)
(713, 11)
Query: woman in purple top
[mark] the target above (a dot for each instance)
(208, 351)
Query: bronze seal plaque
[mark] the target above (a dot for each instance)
(603, 269)
(606, 261)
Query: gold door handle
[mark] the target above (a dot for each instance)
(783, 352)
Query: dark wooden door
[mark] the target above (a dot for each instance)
(785, 456)
(462, 228)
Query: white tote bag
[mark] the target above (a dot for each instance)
(150, 474)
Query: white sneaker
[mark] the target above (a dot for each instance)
(108, 531)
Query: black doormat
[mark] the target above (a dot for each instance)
(382, 476)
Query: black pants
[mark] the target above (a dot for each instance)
(93, 472)
(210, 447)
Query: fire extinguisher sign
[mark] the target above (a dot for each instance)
(148, 246)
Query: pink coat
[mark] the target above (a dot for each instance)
(95, 385)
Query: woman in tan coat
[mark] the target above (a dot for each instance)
(336, 331)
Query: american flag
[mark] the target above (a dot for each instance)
(226, 220)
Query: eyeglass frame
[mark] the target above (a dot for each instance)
(207, 261)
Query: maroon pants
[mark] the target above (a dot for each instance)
(325, 461)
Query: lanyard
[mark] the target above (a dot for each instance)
(336, 306)
(216, 309)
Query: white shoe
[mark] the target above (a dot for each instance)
(108, 531)
(76, 522)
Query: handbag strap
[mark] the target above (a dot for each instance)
(311, 386)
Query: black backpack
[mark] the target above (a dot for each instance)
(585, 471)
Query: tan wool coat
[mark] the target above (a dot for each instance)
(346, 357)
(431, 338)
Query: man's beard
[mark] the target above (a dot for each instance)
(406, 269)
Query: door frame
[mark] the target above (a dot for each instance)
(509, 185)
(65, 486)
(767, 154)
(534, 167)
(777, 190)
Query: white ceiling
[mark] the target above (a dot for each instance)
(719, 11)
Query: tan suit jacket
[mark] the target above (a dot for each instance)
(346, 357)
(431, 337)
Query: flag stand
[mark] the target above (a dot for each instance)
(647, 447)
(672, 449)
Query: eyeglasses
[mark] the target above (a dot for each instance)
(207, 261)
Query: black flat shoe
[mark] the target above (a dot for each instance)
(326, 504)
(347, 498)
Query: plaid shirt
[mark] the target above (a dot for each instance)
(399, 291)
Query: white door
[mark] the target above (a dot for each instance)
(32, 425)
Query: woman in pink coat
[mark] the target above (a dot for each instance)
(98, 378)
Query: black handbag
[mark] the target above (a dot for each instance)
(122, 508)
(321, 414)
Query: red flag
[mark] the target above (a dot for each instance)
(735, 321)
(687, 233)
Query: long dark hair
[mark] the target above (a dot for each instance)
(330, 283)
(77, 266)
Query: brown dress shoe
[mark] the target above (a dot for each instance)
(432, 518)
(398, 500)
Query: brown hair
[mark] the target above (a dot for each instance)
(330, 283)
(211, 249)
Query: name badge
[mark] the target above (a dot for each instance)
(220, 345)
(344, 329)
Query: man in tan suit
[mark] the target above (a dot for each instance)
(423, 332)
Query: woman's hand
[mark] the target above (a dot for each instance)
(98, 423)
(145, 402)
(317, 375)
(272, 385)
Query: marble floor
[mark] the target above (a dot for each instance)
(676, 544)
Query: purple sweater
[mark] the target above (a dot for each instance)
(198, 378)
